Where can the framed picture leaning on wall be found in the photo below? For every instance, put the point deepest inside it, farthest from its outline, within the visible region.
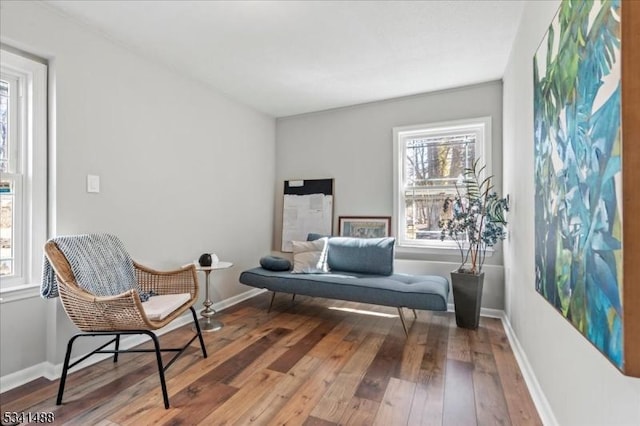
(364, 226)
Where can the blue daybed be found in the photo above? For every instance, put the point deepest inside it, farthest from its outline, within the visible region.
(360, 270)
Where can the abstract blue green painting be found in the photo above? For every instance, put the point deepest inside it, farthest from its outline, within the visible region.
(578, 171)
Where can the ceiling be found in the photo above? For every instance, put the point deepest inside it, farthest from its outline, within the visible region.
(291, 57)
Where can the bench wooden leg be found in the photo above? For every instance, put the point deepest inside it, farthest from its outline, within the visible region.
(415, 314)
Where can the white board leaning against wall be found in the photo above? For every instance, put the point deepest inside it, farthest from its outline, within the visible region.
(307, 208)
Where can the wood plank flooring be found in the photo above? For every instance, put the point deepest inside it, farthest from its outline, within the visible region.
(312, 362)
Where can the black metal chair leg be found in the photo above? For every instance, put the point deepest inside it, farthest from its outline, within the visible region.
(65, 369)
(116, 340)
(273, 296)
(117, 348)
(404, 324)
(195, 321)
(163, 382)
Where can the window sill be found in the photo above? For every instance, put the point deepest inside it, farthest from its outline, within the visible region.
(13, 294)
(445, 250)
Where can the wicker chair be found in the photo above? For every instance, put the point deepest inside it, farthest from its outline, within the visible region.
(122, 314)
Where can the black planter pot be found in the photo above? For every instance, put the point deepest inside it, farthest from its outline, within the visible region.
(467, 298)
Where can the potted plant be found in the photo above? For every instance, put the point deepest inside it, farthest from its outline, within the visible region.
(475, 219)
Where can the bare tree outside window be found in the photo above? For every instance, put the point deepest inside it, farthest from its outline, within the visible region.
(4, 126)
(6, 190)
(433, 166)
(430, 159)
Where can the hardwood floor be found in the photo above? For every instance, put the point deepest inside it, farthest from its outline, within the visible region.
(314, 362)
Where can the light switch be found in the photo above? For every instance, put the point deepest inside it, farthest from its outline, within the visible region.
(93, 183)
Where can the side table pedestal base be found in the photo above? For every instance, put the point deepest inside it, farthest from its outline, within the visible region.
(208, 324)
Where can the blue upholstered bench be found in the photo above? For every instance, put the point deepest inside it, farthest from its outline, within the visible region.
(360, 270)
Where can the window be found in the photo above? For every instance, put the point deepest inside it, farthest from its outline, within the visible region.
(23, 171)
(429, 160)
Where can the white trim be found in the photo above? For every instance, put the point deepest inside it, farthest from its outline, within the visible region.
(537, 395)
(484, 312)
(539, 399)
(52, 371)
(13, 294)
(23, 376)
(445, 250)
(32, 77)
(484, 151)
(234, 300)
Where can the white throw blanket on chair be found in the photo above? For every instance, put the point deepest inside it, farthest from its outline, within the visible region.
(99, 262)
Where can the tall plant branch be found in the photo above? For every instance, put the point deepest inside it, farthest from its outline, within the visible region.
(475, 216)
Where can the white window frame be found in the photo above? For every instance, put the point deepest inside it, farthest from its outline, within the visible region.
(17, 110)
(480, 125)
(30, 173)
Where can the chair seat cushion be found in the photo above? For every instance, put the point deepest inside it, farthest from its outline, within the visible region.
(158, 308)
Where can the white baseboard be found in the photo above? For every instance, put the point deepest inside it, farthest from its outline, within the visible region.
(19, 378)
(484, 312)
(234, 300)
(52, 371)
(539, 399)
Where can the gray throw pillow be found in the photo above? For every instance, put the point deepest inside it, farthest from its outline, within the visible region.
(275, 263)
(361, 255)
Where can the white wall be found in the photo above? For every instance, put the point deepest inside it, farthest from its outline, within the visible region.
(582, 387)
(183, 169)
(354, 146)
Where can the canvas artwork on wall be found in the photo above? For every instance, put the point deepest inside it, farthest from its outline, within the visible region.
(579, 223)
